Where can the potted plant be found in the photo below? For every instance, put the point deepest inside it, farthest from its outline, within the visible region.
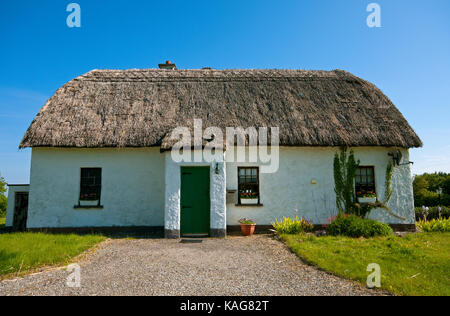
(247, 226)
(367, 197)
(248, 197)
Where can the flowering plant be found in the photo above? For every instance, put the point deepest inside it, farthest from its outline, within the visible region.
(247, 221)
(249, 195)
(368, 194)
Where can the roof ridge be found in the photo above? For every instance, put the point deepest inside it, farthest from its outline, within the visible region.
(253, 70)
(117, 75)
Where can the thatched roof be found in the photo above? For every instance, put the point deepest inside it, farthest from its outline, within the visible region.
(140, 108)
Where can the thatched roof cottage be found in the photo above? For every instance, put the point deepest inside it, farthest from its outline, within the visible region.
(102, 149)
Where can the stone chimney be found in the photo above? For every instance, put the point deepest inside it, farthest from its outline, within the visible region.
(168, 65)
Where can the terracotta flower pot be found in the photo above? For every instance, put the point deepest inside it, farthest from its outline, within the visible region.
(248, 229)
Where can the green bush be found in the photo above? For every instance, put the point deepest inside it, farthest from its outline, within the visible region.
(3, 199)
(435, 225)
(433, 213)
(425, 187)
(354, 226)
(428, 198)
(3, 202)
(292, 226)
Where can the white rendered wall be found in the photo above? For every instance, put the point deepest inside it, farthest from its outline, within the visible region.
(290, 188)
(11, 202)
(132, 187)
(173, 194)
(141, 187)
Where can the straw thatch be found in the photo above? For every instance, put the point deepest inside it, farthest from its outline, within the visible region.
(140, 108)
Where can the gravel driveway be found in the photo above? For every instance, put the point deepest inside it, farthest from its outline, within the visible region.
(259, 265)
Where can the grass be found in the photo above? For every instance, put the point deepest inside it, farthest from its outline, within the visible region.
(417, 264)
(24, 252)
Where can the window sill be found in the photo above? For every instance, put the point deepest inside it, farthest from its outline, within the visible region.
(80, 207)
(249, 205)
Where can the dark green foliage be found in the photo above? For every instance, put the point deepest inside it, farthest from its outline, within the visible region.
(3, 202)
(2, 185)
(425, 187)
(433, 213)
(435, 180)
(344, 175)
(446, 186)
(354, 226)
(3, 199)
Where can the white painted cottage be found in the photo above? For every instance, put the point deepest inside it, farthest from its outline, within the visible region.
(102, 158)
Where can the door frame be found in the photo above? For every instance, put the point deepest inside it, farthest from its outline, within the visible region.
(206, 167)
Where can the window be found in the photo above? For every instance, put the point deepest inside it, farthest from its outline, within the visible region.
(364, 181)
(91, 184)
(248, 188)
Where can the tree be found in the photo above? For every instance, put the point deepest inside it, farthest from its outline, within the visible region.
(420, 184)
(436, 180)
(2, 185)
(425, 187)
(446, 186)
(3, 202)
(3, 199)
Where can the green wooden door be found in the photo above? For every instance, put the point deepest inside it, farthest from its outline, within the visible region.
(195, 201)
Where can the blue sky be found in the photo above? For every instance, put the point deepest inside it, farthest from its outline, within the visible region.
(408, 58)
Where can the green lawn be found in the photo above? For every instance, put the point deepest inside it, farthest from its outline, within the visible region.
(21, 252)
(418, 264)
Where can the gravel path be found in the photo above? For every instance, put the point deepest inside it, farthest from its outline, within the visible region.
(259, 265)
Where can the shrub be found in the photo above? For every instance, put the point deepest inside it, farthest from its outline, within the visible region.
(435, 225)
(292, 226)
(354, 226)
(3, 202)
(433, 213)
(3, 199)
(425, 186)
(429, 198)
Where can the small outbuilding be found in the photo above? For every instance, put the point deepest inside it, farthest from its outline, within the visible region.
(17, 208)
